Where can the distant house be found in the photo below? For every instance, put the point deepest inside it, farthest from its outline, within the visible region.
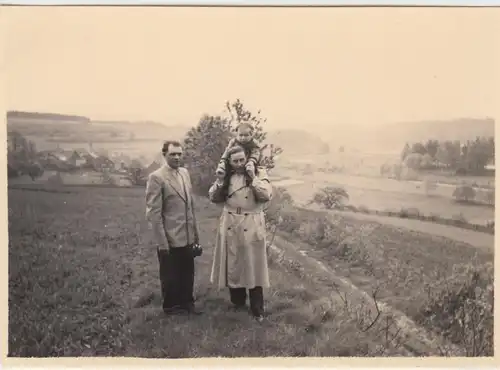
(121, 162)
(54, 160)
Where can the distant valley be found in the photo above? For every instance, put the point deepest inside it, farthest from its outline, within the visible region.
(49, 130)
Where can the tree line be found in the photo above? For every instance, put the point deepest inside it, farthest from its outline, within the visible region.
(471, 156)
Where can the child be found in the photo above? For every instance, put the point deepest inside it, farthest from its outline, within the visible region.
(244, 138)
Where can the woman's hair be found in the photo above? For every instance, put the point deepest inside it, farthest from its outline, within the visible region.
(234, 150)
(225, 186)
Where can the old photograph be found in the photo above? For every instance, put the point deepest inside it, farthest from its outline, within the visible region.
(203, 182)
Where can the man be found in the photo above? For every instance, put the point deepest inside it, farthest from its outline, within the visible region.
(240, 259)
(170, 211)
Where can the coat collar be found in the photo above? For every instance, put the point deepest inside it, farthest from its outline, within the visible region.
(175, 178)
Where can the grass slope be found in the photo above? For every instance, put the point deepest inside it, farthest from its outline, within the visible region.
(83, 281)
(433, 280)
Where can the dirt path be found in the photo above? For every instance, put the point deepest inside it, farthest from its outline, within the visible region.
(474, 238)
(417, 340)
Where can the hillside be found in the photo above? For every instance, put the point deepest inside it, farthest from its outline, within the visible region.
(97, 272)
(297, 142)
(49, 130)
(393, 136)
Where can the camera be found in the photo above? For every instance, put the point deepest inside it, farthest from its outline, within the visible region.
(197, 250)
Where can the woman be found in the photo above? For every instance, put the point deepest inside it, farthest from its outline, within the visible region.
(240, 259)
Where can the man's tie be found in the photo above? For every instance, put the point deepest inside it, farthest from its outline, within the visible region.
(181, 180)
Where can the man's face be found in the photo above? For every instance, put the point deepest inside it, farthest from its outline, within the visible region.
(238, 161)
(174, 156)
(244, 134)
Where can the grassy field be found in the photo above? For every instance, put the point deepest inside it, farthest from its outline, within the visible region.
(83, 281)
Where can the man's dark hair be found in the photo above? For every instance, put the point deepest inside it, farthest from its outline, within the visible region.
(224, 193)
(166, 145)
(235, 149)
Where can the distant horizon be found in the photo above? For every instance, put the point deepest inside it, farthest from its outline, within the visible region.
(118, 120)
(316, 68)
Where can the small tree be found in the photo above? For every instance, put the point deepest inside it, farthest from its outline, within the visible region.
(204, 145)
(414, 161)
(464, 193)
(34, 170)
(331, 197)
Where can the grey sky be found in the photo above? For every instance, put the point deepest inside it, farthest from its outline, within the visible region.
(315, 67)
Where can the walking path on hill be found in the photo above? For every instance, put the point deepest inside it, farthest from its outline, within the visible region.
(418, 341)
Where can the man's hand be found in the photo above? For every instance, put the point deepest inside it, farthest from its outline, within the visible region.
(220, 178)
(250, 168)
(165, 249)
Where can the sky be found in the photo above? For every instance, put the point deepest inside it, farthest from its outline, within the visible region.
(318, 68)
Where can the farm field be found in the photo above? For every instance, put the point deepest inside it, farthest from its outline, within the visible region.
(386, 194)
(96, 291)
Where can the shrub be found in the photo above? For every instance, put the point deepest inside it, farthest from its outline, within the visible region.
(464, 193)
(459, 219)
(461, 307)
(331, 197)
(409, 212)
(281, 199)
(434, 217)
(290, 220)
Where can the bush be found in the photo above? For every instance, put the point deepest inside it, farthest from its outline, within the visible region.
(273, 213)
(464, 193)
(290, 220)
(331, 197)
(459, 219)
(409, 212)
(461, 307)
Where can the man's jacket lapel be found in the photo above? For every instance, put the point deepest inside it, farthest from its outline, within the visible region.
(172, 179)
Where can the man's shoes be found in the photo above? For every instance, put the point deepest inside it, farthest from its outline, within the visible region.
(259, 318)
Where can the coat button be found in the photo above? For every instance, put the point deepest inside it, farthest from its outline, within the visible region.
(229, 228)
(244, 229)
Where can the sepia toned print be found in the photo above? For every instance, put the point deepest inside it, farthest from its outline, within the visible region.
(250, 182)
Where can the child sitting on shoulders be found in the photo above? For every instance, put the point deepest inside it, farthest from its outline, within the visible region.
(244, 138)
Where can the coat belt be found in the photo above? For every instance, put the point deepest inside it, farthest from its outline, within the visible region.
(240, 211)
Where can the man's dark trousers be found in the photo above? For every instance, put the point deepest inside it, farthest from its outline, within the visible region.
(177, 277)
(239, 297)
